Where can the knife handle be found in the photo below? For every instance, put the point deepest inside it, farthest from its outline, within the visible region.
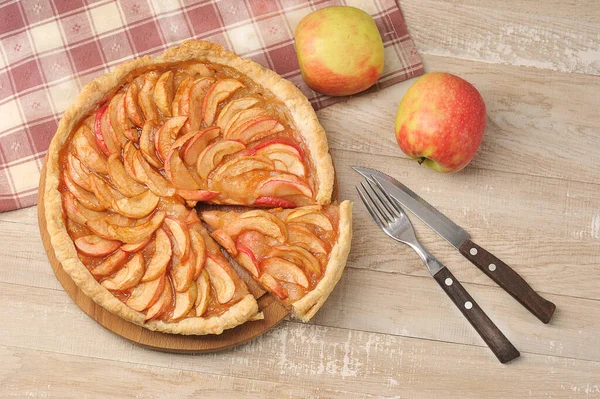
(509, 280)
(485, 327)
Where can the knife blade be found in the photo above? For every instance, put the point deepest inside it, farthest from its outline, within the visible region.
(445, 227)
(493, 267)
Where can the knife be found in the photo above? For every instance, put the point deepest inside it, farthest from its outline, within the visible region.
(493, 267)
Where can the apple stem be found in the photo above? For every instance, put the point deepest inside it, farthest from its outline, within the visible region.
(421, 160)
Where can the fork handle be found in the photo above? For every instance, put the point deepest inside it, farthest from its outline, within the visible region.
(509, 280)
(485, 327)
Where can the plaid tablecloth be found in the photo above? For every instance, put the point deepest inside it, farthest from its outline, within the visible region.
(50, 48)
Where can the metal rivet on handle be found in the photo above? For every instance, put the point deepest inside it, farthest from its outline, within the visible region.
(448, 281)
(468, 305)
(473, 251)
(492, 267)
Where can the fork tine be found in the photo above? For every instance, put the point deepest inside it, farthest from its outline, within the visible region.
(385, 216)
(374, 206)
(384, 199)
(368, 205)
(378, 204)
(391, 200)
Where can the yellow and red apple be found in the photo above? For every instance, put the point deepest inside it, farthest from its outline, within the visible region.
(440, 122)
(340, 51)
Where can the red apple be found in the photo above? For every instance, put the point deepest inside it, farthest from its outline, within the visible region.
(440, 121)
(340, 51)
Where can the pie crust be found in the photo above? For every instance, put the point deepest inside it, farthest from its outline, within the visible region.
(305, 308)
(307, 126)
(324, 272)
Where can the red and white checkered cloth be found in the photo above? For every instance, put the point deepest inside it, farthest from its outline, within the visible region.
(50, 48)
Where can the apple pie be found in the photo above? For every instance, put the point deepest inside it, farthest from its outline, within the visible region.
(141, 146)
(293, 253)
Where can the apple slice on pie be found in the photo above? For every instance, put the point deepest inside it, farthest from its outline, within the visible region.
(141, 146)
(295, 254)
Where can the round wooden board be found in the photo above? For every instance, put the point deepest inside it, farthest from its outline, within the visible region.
(273, 311)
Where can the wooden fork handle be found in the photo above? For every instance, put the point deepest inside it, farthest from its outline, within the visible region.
(509, 280)
(493, 337)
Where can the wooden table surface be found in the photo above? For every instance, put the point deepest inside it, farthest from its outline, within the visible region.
(531, 196)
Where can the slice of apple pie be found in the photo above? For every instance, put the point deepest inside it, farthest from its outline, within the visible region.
(296, 254)
(141, 146)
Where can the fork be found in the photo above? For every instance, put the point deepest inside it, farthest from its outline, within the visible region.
(390, 217)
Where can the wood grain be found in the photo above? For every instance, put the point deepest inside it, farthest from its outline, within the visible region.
(503, 35)
(415, 307)
(306, 355)
(509, 280)
(578, 10)
(530, 197)
(540, 122)
(495, 339)
(115, 379)
(539, 226)
(24, 216)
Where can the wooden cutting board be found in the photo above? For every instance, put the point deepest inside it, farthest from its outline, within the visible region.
(273, 311)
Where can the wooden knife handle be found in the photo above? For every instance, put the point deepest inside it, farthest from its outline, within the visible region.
(508, 279)
(493, 337)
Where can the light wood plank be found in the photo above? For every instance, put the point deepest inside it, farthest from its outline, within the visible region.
(34, 373)
(540, 122)
(504, 35)
(23, 216)
(306, 355)
(578, 10)
(23, 256)
(417, 307)
(544, 228)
